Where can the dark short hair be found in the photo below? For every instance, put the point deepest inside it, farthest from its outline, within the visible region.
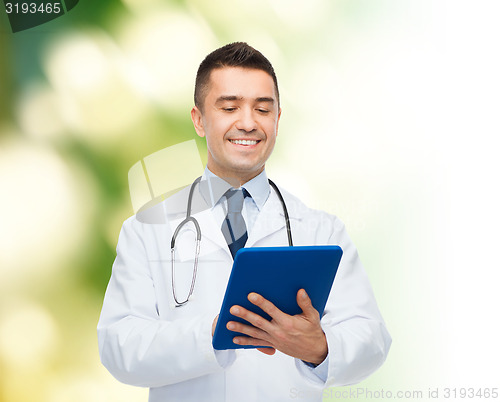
(237, 54)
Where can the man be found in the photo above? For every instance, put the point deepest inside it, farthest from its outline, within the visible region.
(145, 340)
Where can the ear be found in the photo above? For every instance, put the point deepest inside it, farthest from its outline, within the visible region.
(197, 119)
(278, 121)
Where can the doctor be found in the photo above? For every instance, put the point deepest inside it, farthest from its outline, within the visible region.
(145, 340)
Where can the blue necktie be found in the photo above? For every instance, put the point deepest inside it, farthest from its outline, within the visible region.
(233, 227)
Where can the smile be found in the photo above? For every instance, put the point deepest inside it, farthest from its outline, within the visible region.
(245, 142)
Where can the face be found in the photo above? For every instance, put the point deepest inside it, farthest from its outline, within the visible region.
(239, 120)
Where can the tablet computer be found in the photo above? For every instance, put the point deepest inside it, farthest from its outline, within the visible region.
(276, 273)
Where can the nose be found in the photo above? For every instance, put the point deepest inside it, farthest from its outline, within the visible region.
(246, 121)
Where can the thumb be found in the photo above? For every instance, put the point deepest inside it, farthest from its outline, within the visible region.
(214, 324)
(305, 304)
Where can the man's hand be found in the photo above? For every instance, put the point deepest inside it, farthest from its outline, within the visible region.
(298, 336)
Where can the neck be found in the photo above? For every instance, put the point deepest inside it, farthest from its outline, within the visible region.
(236, 179)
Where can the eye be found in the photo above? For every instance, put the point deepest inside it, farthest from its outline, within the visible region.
(229, 109)
(263, 111)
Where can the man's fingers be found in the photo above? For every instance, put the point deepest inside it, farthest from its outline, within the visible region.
(254, 319)
(246, 329)
(305, 304)
(267, 351)
(249, 341)
(266, 306)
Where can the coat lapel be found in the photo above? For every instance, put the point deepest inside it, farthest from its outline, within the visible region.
(270, 220)
(212, 238)
(211, 231)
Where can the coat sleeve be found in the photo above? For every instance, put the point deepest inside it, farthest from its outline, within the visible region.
(358, 340)
(135, 345)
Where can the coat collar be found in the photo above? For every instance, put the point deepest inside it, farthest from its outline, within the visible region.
(270, 220)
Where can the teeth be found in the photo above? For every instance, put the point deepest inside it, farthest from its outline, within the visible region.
(244, 142)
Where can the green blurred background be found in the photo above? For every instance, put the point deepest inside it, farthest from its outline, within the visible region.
(390, 121)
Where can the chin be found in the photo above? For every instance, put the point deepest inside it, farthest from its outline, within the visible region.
(247, 168)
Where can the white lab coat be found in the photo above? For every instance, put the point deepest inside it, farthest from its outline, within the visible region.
(145, 341)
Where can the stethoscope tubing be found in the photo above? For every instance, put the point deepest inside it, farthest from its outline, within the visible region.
(192, 219)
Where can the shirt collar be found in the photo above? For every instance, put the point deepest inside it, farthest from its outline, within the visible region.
(212, 188)
(259, 189)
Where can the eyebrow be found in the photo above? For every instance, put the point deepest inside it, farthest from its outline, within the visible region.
(225, 98)
(265, 99)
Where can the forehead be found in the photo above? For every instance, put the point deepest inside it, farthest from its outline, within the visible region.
(241, 82)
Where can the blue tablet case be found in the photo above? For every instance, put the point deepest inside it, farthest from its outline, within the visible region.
(277, 273)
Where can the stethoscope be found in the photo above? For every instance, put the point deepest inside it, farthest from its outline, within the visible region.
(192, 219)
